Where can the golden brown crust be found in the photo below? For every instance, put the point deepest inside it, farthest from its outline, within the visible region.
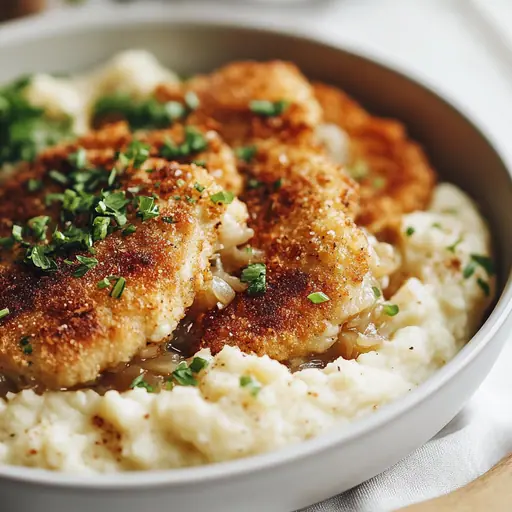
(299, 214)
(398, 177)
(76, 330)
(225, 96)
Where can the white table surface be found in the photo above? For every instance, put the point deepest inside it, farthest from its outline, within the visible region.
(463, 48)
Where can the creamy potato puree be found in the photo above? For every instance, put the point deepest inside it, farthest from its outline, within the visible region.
(220, 420)
(244, 404)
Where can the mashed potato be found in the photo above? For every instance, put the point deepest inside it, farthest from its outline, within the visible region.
(245, 404)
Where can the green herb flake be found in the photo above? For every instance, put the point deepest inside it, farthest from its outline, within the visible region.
(199, 163)
(199, 187)
(17, 233)
(184, 375)
(255, 276)
(278, 184)
(129, 230)
(192, 100)
(190, 200)
(469, 269)
(484, 286)
(437, 225)
(139, 382)
(39, 226)
(453, 247)
(379, 183)
(26, 346)
(253, 183)
(168, 220)
(391, 309)
(4, 312)
(147, 208)
(410, 231)
(251, 384)
(78, 159)
(318, 297)
(58, 177)
(137, 152)
(485, 262)
(100, 227)
(198, 364)
(180, 183)
(118, 288)
(36, 256)
(86, 264)
(376, 292)
(34, 185)
(269, 108)
(246, 153)
(224, 197)
(358, 170)
(104, 283)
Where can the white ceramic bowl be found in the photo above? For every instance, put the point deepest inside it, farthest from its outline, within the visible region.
(314, 470)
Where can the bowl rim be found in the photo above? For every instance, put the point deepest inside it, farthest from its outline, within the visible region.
(59, 23)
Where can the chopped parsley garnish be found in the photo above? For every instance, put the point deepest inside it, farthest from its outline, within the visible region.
(199, 163)
(255, 275)
(86, 264)
(376, 292)
(198, 364)
(379, 183)
(469, 269)
(253, 183)
(145, 114)
(391, 309)
(199, 187)
(25, 129)
(194, 142)
(25, 345)
(268, 108)
(118, 288)
(410, 231)
(485, 262)
(147, 208)
(139, 382)
(169, 220)
(34, 185)
(484, 285)
(224, 196)
(58, 177)
(36, 255)
(318, 297)
(4, 312)
(437, 225)
(100, 227)
(278, 184)
(78, 159)
(358, 170)
(252, 385)
(452, 247)
(104, 283)
(246, 153)
(39, 226)
(137, 152)
(184, 375)
(191, 100)
(129, 230)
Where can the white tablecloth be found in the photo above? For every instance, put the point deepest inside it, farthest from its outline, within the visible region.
(461, 48)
